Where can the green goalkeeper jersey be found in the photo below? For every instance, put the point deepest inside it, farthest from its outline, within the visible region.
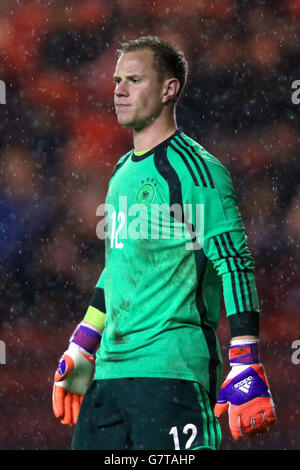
(174, 241)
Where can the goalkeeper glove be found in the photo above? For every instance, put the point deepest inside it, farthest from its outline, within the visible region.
(245, 392)
(74, 373)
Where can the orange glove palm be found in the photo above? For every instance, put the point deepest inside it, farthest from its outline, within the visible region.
(246, 393)
(74, 373)
(71, 381)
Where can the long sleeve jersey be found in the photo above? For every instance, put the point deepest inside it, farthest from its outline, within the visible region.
(174, 242)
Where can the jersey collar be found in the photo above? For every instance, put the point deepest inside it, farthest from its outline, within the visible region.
(157, 148)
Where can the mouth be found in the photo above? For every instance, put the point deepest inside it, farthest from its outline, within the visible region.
(121, 105)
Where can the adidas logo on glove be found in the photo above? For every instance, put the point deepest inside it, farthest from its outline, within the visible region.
(244, 385)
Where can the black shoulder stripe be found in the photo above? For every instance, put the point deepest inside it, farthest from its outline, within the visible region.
(194, 160)
(202, 160)
(186, 163)
(166, 170)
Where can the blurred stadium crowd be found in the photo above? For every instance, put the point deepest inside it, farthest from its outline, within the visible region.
(59, 142)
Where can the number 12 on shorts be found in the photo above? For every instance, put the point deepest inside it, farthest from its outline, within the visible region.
(188, 429)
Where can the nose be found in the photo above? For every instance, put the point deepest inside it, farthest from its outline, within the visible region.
(121, 89)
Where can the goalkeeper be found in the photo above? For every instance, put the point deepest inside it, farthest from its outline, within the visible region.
(143, 370)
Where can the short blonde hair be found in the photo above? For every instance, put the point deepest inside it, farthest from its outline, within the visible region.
(169, 61)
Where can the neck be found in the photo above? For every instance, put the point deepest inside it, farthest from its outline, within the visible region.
(153, 134)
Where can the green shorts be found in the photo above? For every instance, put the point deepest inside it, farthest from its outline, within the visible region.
(146, 414)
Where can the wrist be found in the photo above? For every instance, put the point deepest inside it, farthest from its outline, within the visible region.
(86, 338)
(244, 351)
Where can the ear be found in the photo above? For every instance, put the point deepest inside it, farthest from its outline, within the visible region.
(170, 90)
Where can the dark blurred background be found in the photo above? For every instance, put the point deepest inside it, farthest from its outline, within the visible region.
(59, 142)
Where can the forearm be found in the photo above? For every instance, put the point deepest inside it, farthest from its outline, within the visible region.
(96, 312)
(95, 318)
(244, 337)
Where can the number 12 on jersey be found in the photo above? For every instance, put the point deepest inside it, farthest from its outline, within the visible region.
(186, 429)
(115, 230)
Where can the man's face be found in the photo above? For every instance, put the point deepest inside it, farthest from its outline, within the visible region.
(138, 93)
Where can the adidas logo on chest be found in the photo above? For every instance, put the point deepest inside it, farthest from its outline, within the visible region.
(245, 384)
